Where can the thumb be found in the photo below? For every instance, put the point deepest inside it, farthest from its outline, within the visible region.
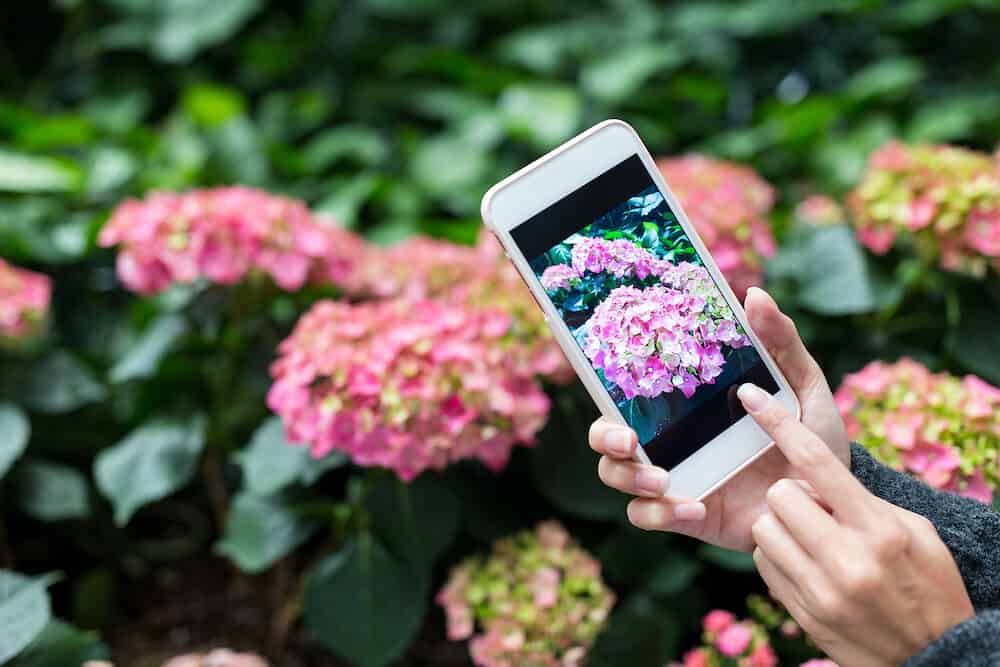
(779, 336)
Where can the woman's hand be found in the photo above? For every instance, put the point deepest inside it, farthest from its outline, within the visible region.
(727, 515)
(871, 583)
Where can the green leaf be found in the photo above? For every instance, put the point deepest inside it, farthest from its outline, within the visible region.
(545, 115)
(55, 385)
(212, 105)
(621, 74)
(565, 469)
(24, 612)
(239, 152)
(674, 576)
(363, 603)
(347, 197)
(61, 645)
(108, 169)
(260, 530)
(727, 559)
(830, 270)
(415, 520)
(143, 358)
(29, 173)
(15, 430)
(447, 163)
(356, 143)
(639, 634)
(150, 463)
(974, 343)
(51, 491)
(270, 463)
(886, 78)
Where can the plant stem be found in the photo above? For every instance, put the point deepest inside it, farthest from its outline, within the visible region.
(6, 552)
(215, 484)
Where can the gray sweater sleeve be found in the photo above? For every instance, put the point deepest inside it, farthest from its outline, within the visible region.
(971, 530)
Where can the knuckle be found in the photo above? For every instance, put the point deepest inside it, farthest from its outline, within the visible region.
(647, 515)
(831, 607)
(891, 542)
(860, 581)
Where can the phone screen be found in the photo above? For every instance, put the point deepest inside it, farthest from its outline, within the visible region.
(633, 290)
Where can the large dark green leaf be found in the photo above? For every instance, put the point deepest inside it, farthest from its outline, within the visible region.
(51, 491)
(545, 115)
(271, 463)
(416, 521)
(56, 384)
(24, 612)
(829, 269)
(61, 645)
(976, 341)
(363, 603)
(262, 529)
(15, 429)
(565, 468)
(143, 358)
(150, 463)
(640, 634)
(622, 72)
(727, 559)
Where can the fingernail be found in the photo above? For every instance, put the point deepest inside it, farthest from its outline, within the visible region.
(617, 441)
(689, 512)
(651, 480)
(753, 397)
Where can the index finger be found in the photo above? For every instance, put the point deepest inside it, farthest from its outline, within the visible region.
(808, 454)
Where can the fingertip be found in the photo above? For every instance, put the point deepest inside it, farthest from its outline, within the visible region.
(752, 397)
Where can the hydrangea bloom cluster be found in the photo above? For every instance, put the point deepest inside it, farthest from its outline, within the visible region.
(479, 277)
(935, 426)
(820, 211)
(537, 601)
(406, 384)
(944, 200)
(732, 642)
(728, 204)
(222, 234)
(654, 340)
(24, 301)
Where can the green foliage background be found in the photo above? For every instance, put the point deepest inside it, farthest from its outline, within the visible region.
(136, 436)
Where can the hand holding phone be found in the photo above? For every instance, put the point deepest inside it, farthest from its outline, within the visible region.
(726, 517)
(637, 304)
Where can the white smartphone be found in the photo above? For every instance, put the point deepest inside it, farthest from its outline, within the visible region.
(637, 304)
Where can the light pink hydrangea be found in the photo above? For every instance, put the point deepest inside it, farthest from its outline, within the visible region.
(727, 640)
(406, 384)
(940, 428)
(223, 234)
(654, 340)
(478, 276)
(537, 600)
(24, 302)
(943, 201)
(729, 205)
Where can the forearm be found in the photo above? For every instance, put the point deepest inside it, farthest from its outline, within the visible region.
(973, 643)
(970, 529)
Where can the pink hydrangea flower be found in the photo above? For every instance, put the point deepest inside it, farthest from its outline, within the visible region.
(222, 235)
(696, 658)
(559, 276)
(717, 620)
(819, 662)
(406, 385)
(655, 340)
(942, 202)
(480, 277)
(501, 595)
(940, 428)
(24, 302)
(729, 205)
(734, 640)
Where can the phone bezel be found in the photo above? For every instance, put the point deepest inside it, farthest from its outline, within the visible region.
(559, 173)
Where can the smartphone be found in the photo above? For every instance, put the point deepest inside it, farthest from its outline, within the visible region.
(637, 304)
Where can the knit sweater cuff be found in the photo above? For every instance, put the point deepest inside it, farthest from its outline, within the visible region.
(971, 643)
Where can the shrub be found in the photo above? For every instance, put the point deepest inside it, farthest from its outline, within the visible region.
(935, 426)
(942, 202)
(538, 600)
